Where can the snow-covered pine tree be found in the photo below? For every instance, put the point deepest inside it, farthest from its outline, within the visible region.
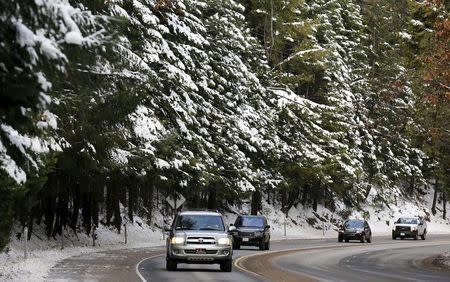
(36, 37)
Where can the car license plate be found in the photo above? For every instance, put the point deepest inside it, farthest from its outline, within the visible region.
(201, 251)
(245, 239)
(402, 234)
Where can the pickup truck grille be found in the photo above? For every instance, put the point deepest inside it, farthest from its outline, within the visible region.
(207, 252)
(201, 240)
(246, 234)
(402, 228)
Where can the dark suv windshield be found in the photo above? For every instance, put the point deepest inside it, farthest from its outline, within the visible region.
(354, 224)
(250, 222)
(407, 220)
(199, 222)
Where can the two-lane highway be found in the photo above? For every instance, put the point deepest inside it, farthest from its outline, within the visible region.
(325, 260)
(153, 268)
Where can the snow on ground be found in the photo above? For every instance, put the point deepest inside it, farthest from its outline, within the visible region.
(301, 223)
(304, 223)
(43, 254)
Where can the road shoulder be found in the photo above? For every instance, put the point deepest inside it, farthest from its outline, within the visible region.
(437, 263)
(116, 265)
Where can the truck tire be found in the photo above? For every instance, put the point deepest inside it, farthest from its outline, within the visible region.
(171, 264)
(226, 266)
(262, 246)
(423, 236)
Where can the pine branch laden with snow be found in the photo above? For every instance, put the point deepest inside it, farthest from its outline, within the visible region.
(141, 98)
(37, 34)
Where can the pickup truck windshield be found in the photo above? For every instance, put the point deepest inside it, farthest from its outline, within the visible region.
(199, 222)
(407, 220)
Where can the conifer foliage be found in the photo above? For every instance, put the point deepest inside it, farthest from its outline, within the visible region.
(107, 107)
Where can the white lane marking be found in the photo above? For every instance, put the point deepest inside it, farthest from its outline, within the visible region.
(142, 260)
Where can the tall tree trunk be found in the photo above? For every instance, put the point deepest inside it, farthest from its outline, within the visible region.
(433, 207)
(256, 202)
(272, 39)
(212, 197)
(305, 193)
(444, 204)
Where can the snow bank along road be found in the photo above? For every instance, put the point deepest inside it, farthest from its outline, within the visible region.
(293, 260)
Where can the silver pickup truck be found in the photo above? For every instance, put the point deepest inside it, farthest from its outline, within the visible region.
(409, 227)
(199, 237)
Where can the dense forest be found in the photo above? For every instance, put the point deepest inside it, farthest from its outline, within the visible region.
(112, 105)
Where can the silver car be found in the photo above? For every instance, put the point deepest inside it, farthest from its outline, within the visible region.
(199, 237)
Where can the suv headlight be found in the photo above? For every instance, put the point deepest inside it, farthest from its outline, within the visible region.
(224, 241)
(358, 231)
(177, 240)
(258, 234)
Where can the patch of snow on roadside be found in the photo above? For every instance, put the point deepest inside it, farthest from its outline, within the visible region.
(44, 253)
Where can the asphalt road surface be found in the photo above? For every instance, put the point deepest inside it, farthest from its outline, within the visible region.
(316, 260)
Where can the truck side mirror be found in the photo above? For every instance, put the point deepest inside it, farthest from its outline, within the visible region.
(267, 226)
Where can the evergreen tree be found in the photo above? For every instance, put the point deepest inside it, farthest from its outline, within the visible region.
(429, 26)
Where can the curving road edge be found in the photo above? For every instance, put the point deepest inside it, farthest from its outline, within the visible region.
(264, 266)
(141, 261)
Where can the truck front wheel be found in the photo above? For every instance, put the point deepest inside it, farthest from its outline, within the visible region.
(171, 264)
(226, 266)
(423, 235)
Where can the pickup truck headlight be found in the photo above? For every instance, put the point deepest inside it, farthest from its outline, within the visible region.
(177, 240)
(258, 234)
(414, 228)
(358, 231)
(224, 241)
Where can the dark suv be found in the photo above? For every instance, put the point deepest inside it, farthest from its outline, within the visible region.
(199, 237)
(355, 229)
(251, 230)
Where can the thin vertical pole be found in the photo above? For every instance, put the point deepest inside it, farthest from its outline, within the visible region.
(62, 238)
(93, 236)
(25, 231)
(126, 235)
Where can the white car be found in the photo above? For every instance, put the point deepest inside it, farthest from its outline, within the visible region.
(412, 227)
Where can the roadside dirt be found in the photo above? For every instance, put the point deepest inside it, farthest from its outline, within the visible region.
(117, 265)
(438, 263)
